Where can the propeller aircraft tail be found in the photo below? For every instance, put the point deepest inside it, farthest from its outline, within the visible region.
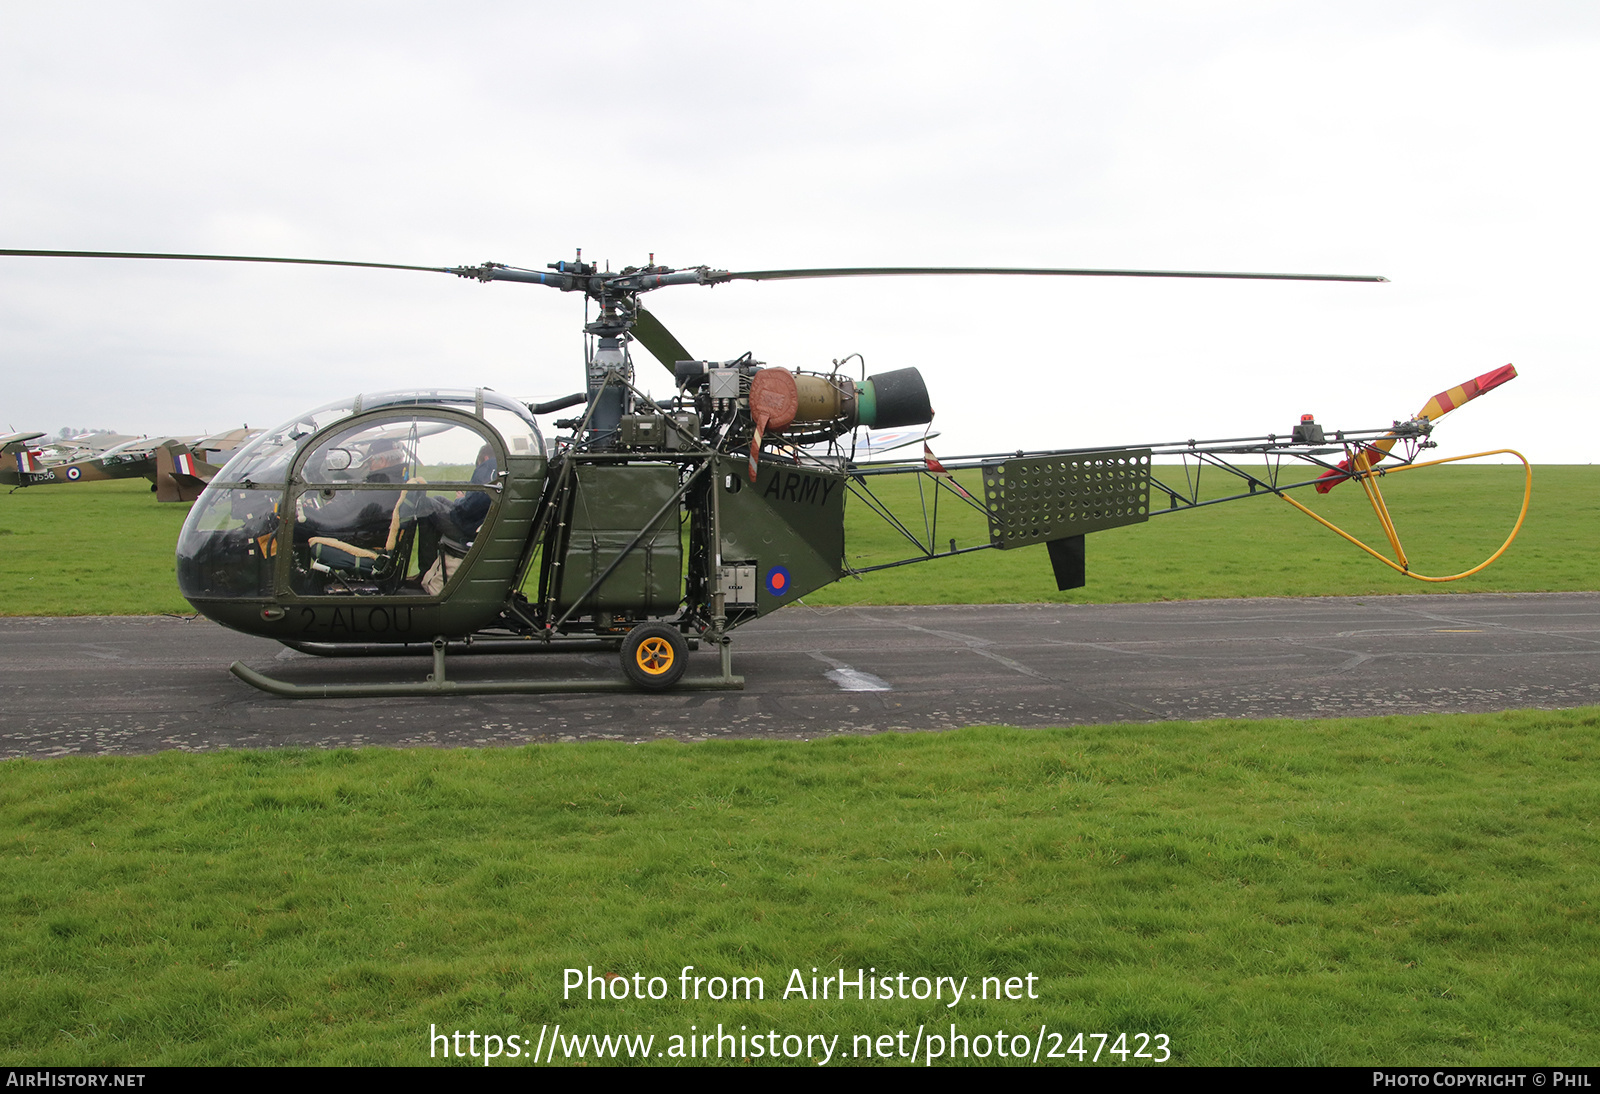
(180, 474)
(19, 458)
(176, 479)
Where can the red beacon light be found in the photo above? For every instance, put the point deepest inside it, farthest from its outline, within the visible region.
(1308, 431)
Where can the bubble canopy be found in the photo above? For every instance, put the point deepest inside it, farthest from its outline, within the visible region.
(265, 461)
(355, 498)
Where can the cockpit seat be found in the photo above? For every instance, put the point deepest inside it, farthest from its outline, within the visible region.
(335, 556)
(386, 567)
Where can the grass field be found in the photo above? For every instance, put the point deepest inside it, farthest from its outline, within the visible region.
(1417, 891)
(100, 548)
(106, 548)
(1420, 891)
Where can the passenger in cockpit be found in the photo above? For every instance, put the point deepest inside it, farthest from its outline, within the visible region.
(469, 511)
(447, 528)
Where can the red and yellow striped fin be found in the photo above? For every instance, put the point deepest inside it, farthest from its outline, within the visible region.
(1446, 401)
(1435, 408)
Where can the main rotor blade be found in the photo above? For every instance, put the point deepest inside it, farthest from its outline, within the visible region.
(222, 258)
(661, 343)
(702, 276)
(896, 271)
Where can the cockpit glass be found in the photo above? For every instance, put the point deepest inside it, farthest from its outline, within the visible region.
(229, 544)
(385, 505)
(378, 503)
(521, 435)
(267, 458)
(398, 451)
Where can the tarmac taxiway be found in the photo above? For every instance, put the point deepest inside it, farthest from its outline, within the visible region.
(129, 685)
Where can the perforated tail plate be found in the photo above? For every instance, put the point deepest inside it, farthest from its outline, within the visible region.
(1036, 499)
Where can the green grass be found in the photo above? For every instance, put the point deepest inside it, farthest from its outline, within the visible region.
(1402, 890)
(98, 548)
(1420, 891)
(106, 548)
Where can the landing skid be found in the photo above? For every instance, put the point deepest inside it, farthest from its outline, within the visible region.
(438, 683)
(467, 646)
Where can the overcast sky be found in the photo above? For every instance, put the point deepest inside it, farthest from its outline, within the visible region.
(1448, 146)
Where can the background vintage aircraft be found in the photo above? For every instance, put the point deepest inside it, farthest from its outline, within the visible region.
(178, 467)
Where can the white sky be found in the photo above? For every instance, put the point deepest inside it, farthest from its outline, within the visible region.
(1448, 146)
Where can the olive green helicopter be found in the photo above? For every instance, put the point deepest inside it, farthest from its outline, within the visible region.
(450, 522)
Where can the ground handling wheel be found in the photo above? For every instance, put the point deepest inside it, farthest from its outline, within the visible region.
(654, 656)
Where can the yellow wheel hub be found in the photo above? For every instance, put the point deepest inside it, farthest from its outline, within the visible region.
(654, 656)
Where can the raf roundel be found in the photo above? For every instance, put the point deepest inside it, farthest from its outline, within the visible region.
(74, 473)
(778, 581)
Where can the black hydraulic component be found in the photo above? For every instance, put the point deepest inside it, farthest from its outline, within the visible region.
(690, 373)
(608, 400)
(553, 405)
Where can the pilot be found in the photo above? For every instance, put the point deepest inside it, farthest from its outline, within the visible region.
(469, 511)
(449, 527)
(385, 458)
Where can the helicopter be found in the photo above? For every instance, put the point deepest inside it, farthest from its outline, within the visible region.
(447, 522)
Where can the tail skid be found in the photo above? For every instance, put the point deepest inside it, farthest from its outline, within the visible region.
(1368, 478)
